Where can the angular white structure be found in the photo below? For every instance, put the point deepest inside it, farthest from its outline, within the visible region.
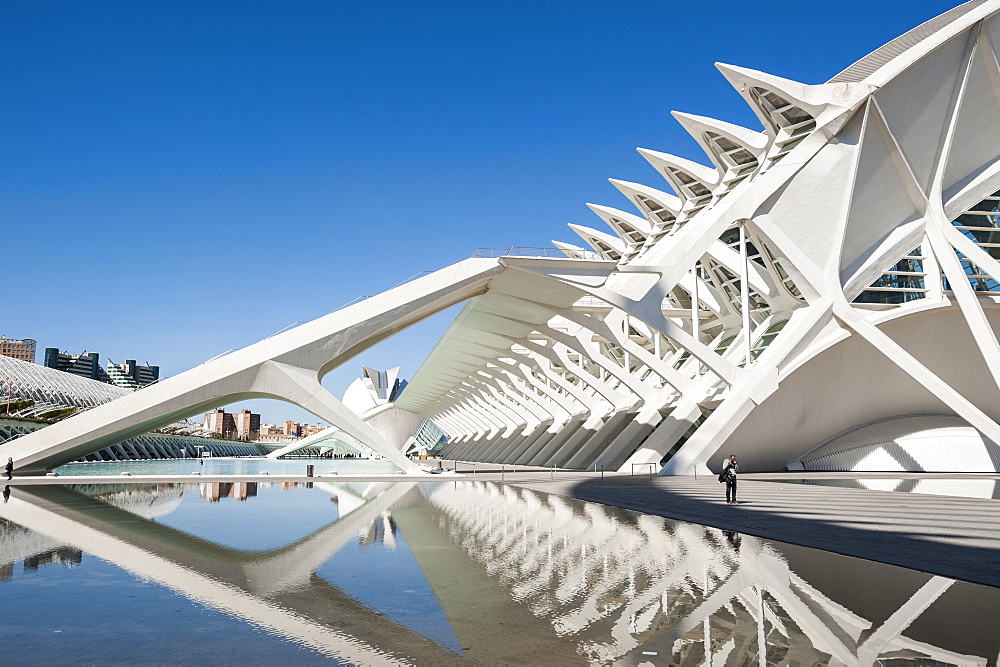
(848, 249)
(835, 269)
(371, 397)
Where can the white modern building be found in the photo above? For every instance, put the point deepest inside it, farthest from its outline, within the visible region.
(821, 293)
(372, 397)
(848, 249)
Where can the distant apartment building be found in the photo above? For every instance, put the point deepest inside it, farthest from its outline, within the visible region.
(86, 365)
(271, 433)
(131, 375)
(290, 430)
(19, 349)
(247, 425)
(215, 422)
(296, 430)
(243, 425)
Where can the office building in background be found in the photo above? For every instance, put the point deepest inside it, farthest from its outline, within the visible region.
(18, 349)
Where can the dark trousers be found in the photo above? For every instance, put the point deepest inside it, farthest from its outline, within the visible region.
(731, 490)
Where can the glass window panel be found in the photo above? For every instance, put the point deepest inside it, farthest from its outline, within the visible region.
(889, 298)
(990, 205)
(976, 220)
(743, 156)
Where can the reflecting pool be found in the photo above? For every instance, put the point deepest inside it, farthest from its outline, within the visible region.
(442, 573)
(231, 466)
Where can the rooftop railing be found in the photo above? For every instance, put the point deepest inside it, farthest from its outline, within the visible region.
(523, 251)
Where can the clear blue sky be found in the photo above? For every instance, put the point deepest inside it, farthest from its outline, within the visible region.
(180, 178)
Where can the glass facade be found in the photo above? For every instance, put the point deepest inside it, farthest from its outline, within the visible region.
(979, 223)
(902, 282)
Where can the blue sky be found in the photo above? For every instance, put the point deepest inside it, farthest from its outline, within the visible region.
(181, 178)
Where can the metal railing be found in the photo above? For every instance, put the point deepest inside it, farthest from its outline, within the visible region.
(509, 470)
(524, 251)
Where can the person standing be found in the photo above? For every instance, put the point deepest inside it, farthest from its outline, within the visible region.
(729, 468)
(10, 468)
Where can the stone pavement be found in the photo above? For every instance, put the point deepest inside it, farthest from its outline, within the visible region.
(946, 535)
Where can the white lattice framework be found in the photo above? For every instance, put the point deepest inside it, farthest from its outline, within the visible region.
(835, 268)
(22, 380)
(848, 249)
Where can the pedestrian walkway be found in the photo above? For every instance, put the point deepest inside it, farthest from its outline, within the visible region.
(950, 536)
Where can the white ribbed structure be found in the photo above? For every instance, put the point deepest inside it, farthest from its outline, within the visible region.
(851, 246)
(837, 267)
(23, 380)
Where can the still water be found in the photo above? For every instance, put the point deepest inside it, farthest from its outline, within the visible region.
(231, 466)
(444, 573)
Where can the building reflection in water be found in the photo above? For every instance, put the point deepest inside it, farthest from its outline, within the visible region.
(214, 491)
(624, 585)
(521, 574)
(381, 531)
(32, 551)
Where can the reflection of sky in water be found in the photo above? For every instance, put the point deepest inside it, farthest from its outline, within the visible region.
(98, 613)
(434, 573)
(213, 466)
(273, 518)
(390, 580)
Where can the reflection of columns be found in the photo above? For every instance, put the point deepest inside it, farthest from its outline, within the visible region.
(291, 568)
(213, 575)
(579, 565)
(761, 638)
(881, 639)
